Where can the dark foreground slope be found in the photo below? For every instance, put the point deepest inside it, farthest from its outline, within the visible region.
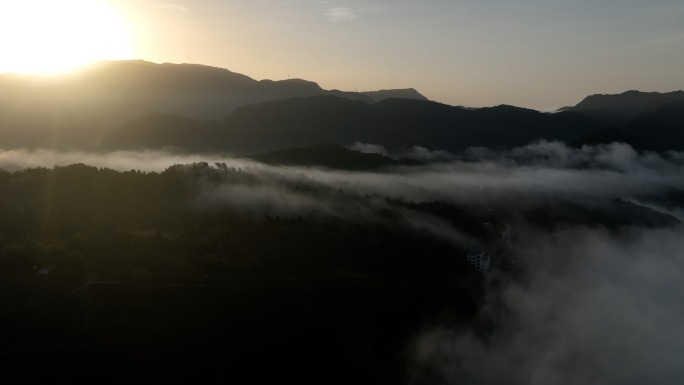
(210, 273)
(135, 276)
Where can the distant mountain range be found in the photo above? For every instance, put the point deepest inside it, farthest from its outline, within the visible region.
(623, 107)
(645, 120)
(408, 93)
(137, 104)
(79, 109)
(394, 123)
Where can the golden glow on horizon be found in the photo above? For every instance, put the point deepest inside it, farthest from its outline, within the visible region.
(47, 36)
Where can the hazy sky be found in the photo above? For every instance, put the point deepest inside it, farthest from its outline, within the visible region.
(533, 53)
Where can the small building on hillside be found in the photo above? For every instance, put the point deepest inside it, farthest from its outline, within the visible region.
(480, 260)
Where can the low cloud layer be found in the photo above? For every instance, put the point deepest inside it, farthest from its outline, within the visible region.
(545, 169)
(149, 161)
(538, 170)
(596, 309)
(594, 306)
(369, 148)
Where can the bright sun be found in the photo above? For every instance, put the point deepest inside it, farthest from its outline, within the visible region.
(56, 36)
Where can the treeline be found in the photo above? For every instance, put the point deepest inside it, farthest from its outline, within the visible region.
(213, 272)
(145, 274)
(146, 226)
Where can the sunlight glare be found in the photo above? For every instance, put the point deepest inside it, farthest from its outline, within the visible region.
(39, 36)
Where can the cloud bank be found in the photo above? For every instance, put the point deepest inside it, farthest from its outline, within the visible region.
(522, 175)
(593, 305)
(595, 309)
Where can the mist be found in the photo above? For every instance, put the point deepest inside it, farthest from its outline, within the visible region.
(523, 175)
(592, 305)
(526, 173)
(596, 308)
(146, 161)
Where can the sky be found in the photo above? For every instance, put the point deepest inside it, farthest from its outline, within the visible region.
(539, 54)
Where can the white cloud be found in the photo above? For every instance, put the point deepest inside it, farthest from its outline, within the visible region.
(341, 14)
(368, 148)
(592, 303)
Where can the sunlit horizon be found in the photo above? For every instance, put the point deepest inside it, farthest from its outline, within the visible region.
(44, 36)
(541, 56)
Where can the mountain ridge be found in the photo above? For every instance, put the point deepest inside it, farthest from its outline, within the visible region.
(394, 123)
(214, 109)
(79, 109)
(619, 108)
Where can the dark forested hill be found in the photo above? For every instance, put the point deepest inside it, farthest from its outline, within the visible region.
(662, 128)
(620, 108)
(330, 156)
(380, 95)
(393, 123)
(659, 127)
(102, 269)
(205, 272)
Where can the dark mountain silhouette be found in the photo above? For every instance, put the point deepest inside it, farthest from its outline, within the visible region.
(620, 108)
(331, 156)
(657, 129)
(201, 108)
(662, 128)
(612, 135)
(408, 93)
(394, 123)
(166, 130)
(79, 109)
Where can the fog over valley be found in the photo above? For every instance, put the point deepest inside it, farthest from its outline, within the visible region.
(179, 222)
(549, 169)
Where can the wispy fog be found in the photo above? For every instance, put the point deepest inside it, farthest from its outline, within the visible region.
(368, 148)
(481, 176)
(596, 309)
(526, 173)
(13, 160)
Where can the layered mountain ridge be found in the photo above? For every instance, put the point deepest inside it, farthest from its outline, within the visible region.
(80, 109)
(116, 105)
